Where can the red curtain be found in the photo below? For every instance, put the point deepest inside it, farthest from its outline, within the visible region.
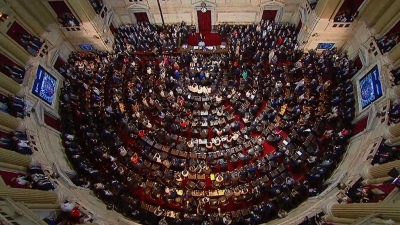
(51, 121)
(299, 25)
(357, 63)
(141, 17)
(112, 28)
(16, 31)
(360, 125)
(60, 8)
(204, 20)
(269, 15)
(395, 30)
(59, 63)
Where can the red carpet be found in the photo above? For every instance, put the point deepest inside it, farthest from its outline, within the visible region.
(8, 176)
(360, 125)
(51, 121)
(211, 39)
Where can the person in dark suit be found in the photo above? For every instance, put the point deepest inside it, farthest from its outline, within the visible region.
(201, 37)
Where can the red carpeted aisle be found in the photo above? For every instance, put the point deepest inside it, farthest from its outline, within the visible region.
(211, 39)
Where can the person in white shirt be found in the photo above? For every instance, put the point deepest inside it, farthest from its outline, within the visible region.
(122, 151)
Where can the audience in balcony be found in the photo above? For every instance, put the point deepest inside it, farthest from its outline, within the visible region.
(117, 101)
(15, 72)
(395, 76)
(68, 20)
(386, 154)
(97, 5)
(14, 106)
(315, 220)
(313, 3)
(364, 193)
(394, 112)
(346, 17)
(36, 179)
(387, 42)
(31, 43)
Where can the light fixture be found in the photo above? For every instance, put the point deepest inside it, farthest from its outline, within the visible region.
(203, 7)
(3, 16)
(315, 35)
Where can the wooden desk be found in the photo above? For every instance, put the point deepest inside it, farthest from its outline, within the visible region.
(283, 110)
(197, 193)
(218, 50)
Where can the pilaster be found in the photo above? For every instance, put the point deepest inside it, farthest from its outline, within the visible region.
(382, 170)
(9, 121)
(14, 158)
(358, 210)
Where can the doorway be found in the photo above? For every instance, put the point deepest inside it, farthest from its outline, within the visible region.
(269, 15)
(204, 21)
(141, 17)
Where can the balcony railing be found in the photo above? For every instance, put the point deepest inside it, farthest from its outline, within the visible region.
(342, 25)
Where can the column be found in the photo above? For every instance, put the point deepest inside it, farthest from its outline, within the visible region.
(14, 158)
(13, 167)
(9, 84)
(393, 131)
(382, 170)
(394, 92)
(332, 219)
(88, 9)
(396, 64)
(77, 7)
(11, 56)
(376, 180)
(42, 206)
(17, 51)
(9, 121)
(385, 18)
(358, 210)
(326, 8)
(392, 141)
(26, 17)
(372, 11)
(29, 195)
(42, 13)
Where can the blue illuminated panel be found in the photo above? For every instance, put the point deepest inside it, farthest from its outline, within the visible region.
(370, 87)
(45, 86)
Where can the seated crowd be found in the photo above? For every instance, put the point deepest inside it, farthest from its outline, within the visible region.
(14, 105)
(16, 141)
(236, 138)
(387, 42)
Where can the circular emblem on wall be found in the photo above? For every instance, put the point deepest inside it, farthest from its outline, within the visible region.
(86, 47)
(367, 91)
